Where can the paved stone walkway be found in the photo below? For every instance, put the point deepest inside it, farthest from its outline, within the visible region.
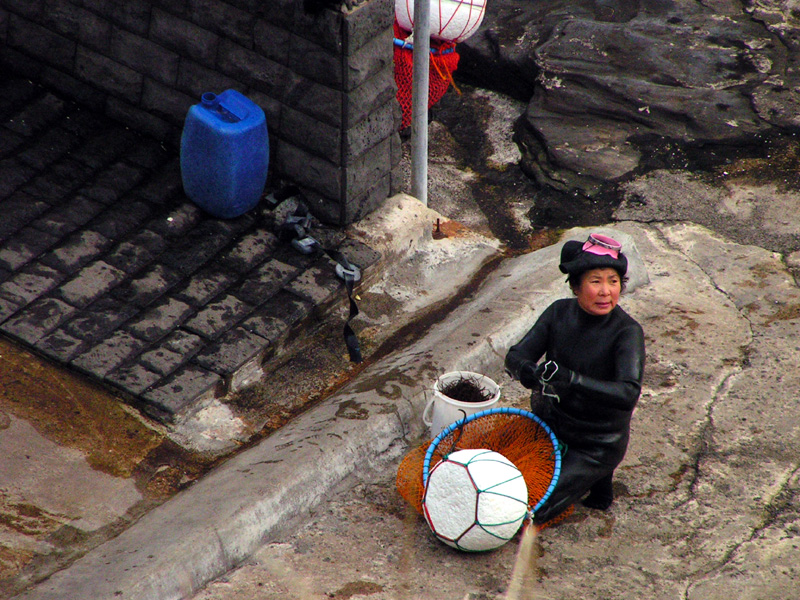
(106, 267)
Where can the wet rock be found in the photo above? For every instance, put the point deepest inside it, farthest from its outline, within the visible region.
(608, 79)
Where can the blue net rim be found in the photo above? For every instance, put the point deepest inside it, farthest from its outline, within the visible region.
(409, 46)
(493, 411)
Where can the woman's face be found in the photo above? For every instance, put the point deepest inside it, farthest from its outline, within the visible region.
(598, 292)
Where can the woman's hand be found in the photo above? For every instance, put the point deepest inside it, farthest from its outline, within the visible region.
(552, 372)
(527, 375)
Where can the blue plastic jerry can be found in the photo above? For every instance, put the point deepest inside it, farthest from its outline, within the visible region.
(225, 154)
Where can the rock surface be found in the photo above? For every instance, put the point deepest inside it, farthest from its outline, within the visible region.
(609, 82)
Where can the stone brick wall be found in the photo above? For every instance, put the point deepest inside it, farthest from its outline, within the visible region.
(325, 81)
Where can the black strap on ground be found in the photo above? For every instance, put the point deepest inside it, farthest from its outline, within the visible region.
(348, 272)
(295, 230)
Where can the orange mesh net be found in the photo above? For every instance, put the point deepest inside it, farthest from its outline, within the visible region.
(444, 61)
(513, 433)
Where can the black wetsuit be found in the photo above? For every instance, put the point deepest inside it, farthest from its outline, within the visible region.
(592, 418)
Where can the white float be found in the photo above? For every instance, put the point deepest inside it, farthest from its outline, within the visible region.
(451, 20)
(475, 500)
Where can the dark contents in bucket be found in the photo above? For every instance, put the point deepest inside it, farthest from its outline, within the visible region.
(466, 389)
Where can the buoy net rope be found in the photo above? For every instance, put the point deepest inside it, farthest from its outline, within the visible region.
(521, 436)
(444, 59)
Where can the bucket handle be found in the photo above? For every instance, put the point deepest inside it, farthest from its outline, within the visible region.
(426, 417)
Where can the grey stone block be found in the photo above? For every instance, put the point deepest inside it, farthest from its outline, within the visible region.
(144, 56)
(24, 246)
(71, 20)
(319, 64)
(163, 188)
(184, 343)
(19, 210)
(40, 42)
(272, 108)
(183, 37)
(271, 41)
(318, 284)
(262, 284)
(177, 7)
(177, 222)
(205, 285)
(325, 28)
(37, 320)
(118, 348)
(229, 21)
(133, 16)
(359, 253)
(57, 184)
(13, 174)
(85, 123)
(133, 379)
(161, 360)
(251, 68)
(38, 115)
(104, 146)
(370, 59)
(141, 120)
(137, 252)
(99, 320)
(369, 136)
(275, 319)
(250, 251)
(195, 79)
(114, 182)
(7, 309)
(32, 9)
(107, 74)
(20, 62)
(160, 319)
(190, 252)
(149, 153)
(370, 21)
(358, 207)
(308, 170)
(314, 99)
(371, 166)
(218, 317)
(371, 95)
(148, 286)
(233, 350)
(9, 142)
(121, 218)
(48, 148)
(165, 101)
(248, 5)
(76, 251)
(31, 282)
(61, 346)
(62, 220)
(313, 136)
(90, 283)
(86, 93)
(183, 389)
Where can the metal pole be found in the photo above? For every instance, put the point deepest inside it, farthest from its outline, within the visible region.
(419, 101)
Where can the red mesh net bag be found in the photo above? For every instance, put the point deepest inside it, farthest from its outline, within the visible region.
(444, 61)
(519, 435)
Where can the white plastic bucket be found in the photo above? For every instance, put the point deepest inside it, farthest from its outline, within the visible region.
(441, 410)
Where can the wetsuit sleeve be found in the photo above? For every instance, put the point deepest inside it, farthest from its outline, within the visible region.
(623, 391)
(523, 356)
